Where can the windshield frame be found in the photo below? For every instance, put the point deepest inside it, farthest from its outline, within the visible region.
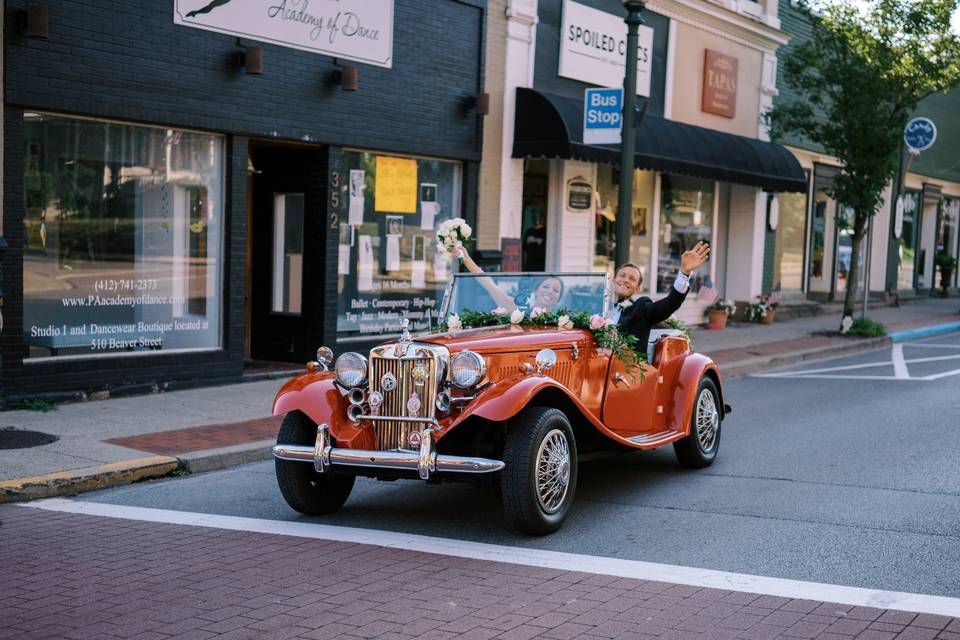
(607, 283)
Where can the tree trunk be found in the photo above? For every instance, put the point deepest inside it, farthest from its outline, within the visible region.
(850, 297)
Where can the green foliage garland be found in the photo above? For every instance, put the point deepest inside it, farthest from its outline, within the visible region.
(622, 346)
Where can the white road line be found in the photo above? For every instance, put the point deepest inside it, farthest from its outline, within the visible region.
(826, 376)
(945, 374)
(899, 366)
(928, 345)
(693, 576)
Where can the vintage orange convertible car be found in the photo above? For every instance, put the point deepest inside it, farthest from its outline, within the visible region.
(515, 404)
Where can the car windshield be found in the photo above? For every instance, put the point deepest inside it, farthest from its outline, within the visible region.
(549, 291)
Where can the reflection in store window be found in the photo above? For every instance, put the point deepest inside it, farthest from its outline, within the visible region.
(788, 263)
(123, 236)
(606, 207)
(686, 218)
(287, 252)
(906, 245)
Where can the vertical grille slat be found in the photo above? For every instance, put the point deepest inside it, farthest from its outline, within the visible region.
(393, 435)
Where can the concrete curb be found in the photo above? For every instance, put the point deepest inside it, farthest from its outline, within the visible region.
(924, 332)
(753, 365)
(130, 471)
(87, 479)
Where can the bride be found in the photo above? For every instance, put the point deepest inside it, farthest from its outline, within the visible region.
(544, 296)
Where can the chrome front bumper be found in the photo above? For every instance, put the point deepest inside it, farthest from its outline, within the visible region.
(426, 461)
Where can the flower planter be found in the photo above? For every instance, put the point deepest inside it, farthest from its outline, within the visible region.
(768, 316)
(716, 320)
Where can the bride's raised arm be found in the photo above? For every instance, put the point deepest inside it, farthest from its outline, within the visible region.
(498, 295)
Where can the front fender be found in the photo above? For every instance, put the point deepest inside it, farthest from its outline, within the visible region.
(320, 399)
(695, 366)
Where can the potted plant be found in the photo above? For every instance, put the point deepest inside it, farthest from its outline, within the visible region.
(762, 310)
(947, 264)
(718, 312)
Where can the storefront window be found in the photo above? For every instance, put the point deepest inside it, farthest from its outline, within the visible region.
(606, 207)
(947, 237)
(788, 262)
(388, 265)
(686, 218)
(906, 250)
(123, 238)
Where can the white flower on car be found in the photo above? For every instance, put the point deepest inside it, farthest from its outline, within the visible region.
(453, 322)
(564, 322)
(516, 317)
(536, 312)
(499, 311)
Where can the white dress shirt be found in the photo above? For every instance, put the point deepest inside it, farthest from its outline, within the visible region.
(681, 284)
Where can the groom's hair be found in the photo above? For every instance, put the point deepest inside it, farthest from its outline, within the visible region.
(630, 265)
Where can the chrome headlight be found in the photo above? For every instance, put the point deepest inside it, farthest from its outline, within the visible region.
(351, 369)
(467, 369)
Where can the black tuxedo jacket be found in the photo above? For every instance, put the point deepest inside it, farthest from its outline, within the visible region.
(644, 313)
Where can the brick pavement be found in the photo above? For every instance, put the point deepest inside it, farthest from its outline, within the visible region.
(74, 577)
(178, 441)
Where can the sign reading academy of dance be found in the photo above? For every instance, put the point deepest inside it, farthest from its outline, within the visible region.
(719, 84)
(593, 48)
(360, 30)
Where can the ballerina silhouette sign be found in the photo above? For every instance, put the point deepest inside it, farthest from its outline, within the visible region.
(360, 30)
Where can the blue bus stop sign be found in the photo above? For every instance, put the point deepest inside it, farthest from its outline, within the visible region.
(920, 134)
(602, 116)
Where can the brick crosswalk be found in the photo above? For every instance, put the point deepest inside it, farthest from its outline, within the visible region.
(70, 576)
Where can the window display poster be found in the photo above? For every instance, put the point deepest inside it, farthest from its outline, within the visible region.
(365, 267)
(394, 272)
(356, 196)
(418, 266)
(396, 185)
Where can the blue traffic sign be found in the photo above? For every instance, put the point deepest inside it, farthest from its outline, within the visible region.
(920, 134)
(602, 116)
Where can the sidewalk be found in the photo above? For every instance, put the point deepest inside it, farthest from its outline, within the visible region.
(122, 440)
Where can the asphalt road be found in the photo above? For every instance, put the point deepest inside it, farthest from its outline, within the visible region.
(844, 472)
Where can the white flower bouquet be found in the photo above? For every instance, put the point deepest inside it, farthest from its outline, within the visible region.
(451, 234)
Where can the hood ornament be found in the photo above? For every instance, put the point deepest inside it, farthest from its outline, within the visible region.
(400, 349)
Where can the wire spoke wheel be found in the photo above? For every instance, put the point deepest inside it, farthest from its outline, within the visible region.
(699, 448)
(707, 420)
(553, 471)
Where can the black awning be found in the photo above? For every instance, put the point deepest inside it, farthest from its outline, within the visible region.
(551, 126)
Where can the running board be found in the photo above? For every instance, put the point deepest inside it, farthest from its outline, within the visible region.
(656, 439)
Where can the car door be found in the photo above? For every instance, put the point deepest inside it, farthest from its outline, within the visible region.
(629, 401)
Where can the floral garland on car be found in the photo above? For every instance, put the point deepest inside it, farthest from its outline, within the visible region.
(605, 332)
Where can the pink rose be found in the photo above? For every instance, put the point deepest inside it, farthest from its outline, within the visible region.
(598, 322)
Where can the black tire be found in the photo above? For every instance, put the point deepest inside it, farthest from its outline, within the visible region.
(304, 489)
(693, 451)
(526, 436)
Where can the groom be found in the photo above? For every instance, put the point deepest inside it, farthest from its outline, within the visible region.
(636, 314)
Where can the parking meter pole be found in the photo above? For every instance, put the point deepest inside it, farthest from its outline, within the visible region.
(628, 134)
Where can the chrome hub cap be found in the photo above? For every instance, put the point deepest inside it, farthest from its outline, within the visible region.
(553, 471)
(708, 421)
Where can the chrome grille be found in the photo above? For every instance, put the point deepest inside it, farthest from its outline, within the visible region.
(394, 435)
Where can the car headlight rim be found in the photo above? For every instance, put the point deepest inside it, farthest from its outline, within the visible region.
(467, 369)
(351, 369)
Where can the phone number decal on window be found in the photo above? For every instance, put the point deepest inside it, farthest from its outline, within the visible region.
(113, 284)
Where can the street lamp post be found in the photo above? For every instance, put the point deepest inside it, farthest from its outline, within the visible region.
(628, 140)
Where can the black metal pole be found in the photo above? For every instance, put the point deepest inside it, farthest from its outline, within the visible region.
(627, 144)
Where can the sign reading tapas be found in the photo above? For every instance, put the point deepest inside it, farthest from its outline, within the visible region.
(360, 30)
(719, 84)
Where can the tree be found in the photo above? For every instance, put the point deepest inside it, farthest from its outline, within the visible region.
(860, 76)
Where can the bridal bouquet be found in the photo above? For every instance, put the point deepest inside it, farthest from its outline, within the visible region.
(452, 233)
